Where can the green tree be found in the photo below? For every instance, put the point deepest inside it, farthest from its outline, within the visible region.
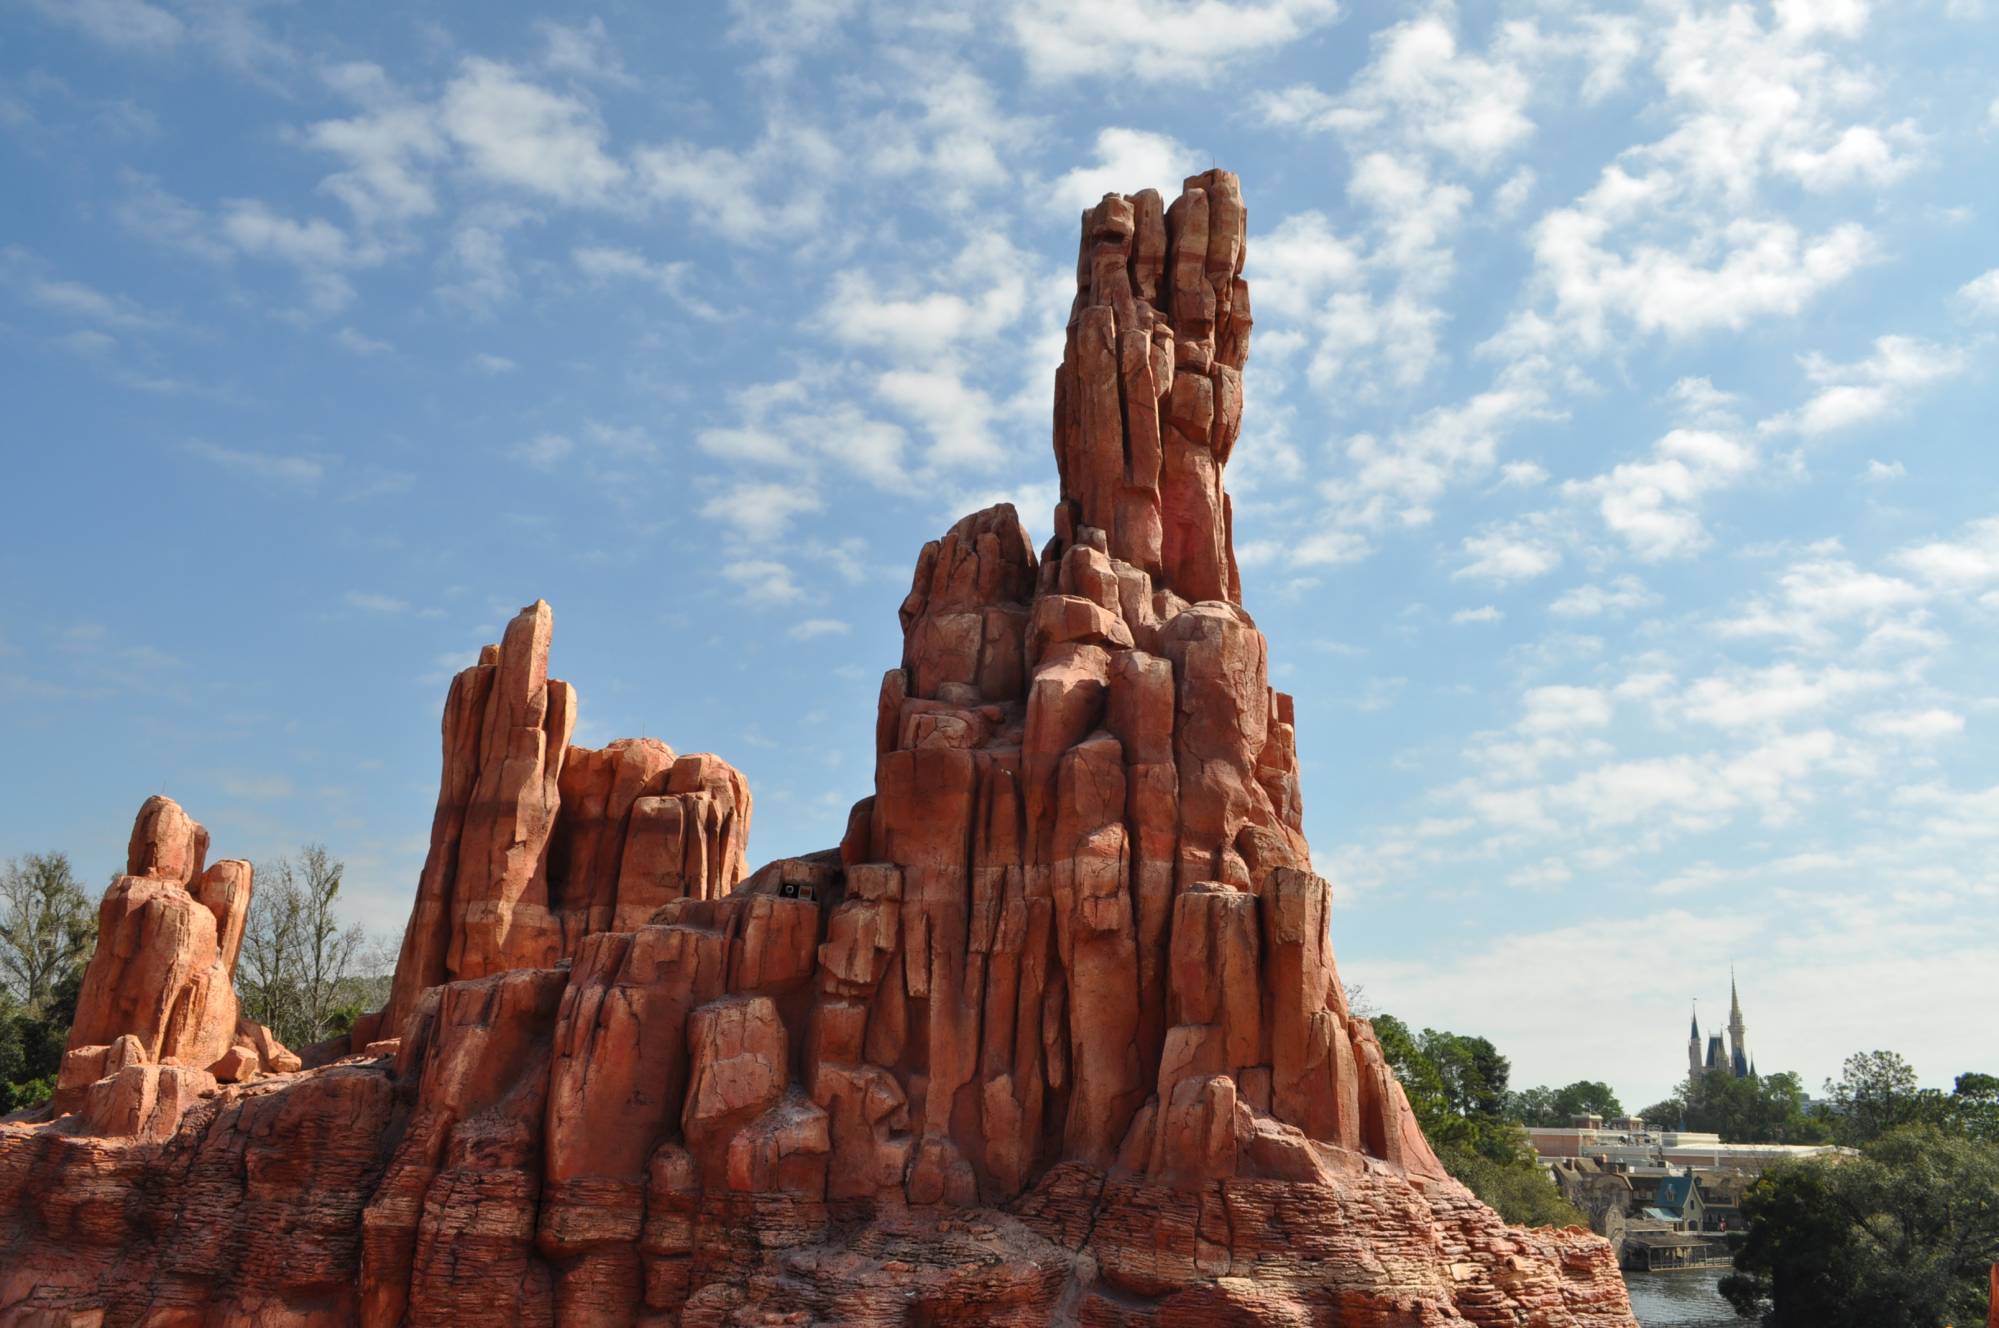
(1973, 1108)
(1875, 1093)
(1456, 1086)
(1900, 1237)
(1760, 1109)
(47, 927)
(1473, 1075)
(296, 970)
(1517, 1188)
(32, 1044)
(1560, 1106)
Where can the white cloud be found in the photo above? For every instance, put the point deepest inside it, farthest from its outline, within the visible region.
(1885, 470)
(788, 27)
(1982, 292)
(360, 343)
(252, 227)
(390, 148)
(544, 451)
(322, 252)
(373, 603)
(1748, 269)
(961, 142)
(1653, 505)
(760, 512)
(1968, 562)
(1395, 481)
(1414, 214)
(606, 263)
(1329, 547)
(76, 300)
(128, 24)
(1590, 601)
(1485, 613)
(1561, 709)
(957, 415)
(1511, 196)
(1506, 556)
(773, 189)
(300, 472)
(976, 297)
(1543, 875)
(1421, 87)
(517, 133)
(1181, 40)
(583, 50)
(1914, 725)
(1128, 160)
(792, 424)
(1857, 393)
(160, 217)
(488, 363)
(817, 627)
(763, 581)
(1818, 597)
(1676, 236)
(477, 253)
(1757, 697)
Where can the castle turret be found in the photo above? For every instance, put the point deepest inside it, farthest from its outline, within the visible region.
(1694, 1066)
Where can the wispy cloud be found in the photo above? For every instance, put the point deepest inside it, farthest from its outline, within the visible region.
(277, 468)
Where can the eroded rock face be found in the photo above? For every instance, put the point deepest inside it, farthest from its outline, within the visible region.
(537, 844)
(156, 1017)
(1054, 1037)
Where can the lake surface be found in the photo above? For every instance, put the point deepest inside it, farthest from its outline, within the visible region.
(1681, 1300)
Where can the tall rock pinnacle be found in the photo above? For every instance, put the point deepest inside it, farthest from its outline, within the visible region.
(1053, 1037)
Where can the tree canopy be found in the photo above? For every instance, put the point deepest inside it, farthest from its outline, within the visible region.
(297, 974)
(1899, 1237)
(47, 927)
(1456, 1085)
(1759, 1109)
(1544, 1106)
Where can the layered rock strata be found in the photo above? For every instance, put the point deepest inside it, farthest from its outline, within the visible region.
(1053, 1037)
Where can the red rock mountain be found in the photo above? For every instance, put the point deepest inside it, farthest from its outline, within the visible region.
(1054, 1036)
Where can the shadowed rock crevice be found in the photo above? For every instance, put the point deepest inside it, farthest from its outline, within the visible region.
(1054, 1036)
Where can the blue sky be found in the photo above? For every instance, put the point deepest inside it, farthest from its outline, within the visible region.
(1617, 487)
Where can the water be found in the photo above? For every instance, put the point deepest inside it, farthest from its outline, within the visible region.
(1681, 1300)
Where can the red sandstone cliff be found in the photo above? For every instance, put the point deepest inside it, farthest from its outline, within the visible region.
(1055, 1036)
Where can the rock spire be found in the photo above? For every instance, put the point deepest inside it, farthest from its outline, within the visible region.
(156, 1015)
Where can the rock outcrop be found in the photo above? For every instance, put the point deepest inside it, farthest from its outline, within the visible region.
(537, 844)
(156, 1021)
(1054, 1036)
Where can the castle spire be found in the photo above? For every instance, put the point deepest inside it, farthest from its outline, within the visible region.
(1738, 1038)
(1694, 1066)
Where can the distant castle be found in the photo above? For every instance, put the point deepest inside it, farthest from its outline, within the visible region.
(1734, 1061)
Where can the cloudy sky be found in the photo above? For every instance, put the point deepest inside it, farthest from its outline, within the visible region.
(1618, 486)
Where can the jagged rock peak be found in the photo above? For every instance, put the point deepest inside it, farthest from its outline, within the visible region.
(537, 843)
(1148, 401)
